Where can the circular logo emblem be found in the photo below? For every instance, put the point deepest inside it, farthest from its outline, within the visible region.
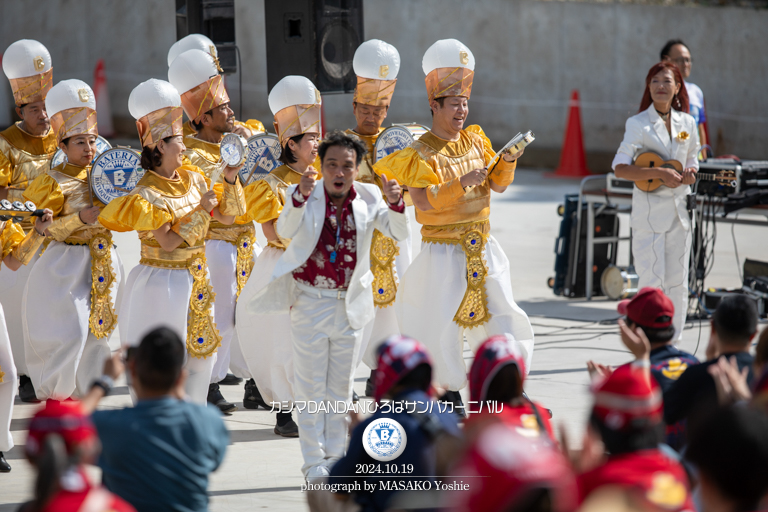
(384, 439)
(263, 157)
(396, 138)
(115, 173)
(101, 146)
(233, 148)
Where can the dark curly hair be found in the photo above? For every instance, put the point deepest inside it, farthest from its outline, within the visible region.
(346, 140)
(151, 157)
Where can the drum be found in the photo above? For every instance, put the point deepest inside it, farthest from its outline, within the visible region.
(619, 282)
(395, 138)
(263, 157)
(115, 173)
(102, 145)
(234, 149)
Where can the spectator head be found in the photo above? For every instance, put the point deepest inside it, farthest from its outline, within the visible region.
(661, 71)
(734, 323)
(497, 373)
(729, 435)
(760, 390)
(628, 410)
(60, 436)
(518, 474)
(677, 52)
(157, 363)
(402, 363)
(761, 353)
(652, 311)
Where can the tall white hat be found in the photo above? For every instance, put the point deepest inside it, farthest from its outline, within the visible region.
(193, 42)
(72, 108)
(295, 103)
(450, 69)
(27, 64)
(195, 76)
(156, 106)
(376, 65)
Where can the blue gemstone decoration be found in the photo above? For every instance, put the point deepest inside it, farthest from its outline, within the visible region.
(101, 279)
(200, 340)
(473, 241)
(199, 267)
(474, 274)
(245, 244)
(101, 246)
(243, 272)
(200, 297)
(381, 290)
(471, 315)
(101, 321)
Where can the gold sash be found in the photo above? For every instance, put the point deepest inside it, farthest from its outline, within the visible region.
(103, 318)
(244, 263)
(383, 252)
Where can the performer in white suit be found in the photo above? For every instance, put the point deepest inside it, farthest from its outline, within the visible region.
(661, 225)
(324, 279)
(78, 279)
(459, 284)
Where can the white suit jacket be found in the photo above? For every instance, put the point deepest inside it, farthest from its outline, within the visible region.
(304, 225)
(645, 131)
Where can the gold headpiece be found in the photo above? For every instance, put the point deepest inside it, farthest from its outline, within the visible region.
(443, 82)
(199, 100)
(374, 92)
(33, 88)
(297, 119)
(157, 125)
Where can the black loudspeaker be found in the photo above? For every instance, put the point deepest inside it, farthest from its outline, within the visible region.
(313, 38)
(214, 19)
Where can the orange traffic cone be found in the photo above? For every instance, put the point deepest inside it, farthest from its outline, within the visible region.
(103, 108)
(573, 162)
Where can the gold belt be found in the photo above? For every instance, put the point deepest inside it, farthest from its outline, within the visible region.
(242, 236)
(152, 256)
(103, 318)
(473, 310)
(383, 252)
(452, 233)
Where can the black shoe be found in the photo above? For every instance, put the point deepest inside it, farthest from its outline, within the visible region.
(5, 467)
(252, 398)
(215, 397)
(230, 380)
(27, 390)
(369, 384)
(454, 397)
(285, 425)
(355, 398)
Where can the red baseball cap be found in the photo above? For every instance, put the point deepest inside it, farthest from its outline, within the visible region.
(494, 354)
(650, 308)
(628, 396)
(398, 356)
(63, 418)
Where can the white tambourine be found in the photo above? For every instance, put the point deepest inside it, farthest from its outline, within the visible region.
(515, 145)
(115, 173)
(102, 145)
(263, 157)
(234, 149)
(395, 138)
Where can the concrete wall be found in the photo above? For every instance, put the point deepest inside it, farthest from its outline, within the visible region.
(530, 55)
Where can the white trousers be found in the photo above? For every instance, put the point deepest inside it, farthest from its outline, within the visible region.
(662, 261)
(7, 386)
(266, 339)
(325, 350)
(222, 265)
(156, 297)
(385, 323)
(63, 356)
(430, 295)
(12, 285)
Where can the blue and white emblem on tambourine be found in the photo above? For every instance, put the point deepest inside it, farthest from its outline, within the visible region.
(102, 145)
(395, 138)
(263, 157)
(384, 439)
(115, 173)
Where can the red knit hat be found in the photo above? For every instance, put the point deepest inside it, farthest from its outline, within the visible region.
(629, 396)
(63, 418)
(398, 356)
(494, 354)
(649, 308)
(509, 466)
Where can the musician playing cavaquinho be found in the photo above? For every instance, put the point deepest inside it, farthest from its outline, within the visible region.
(661, 226)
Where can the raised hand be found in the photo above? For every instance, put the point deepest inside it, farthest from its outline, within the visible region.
(636, 341)
(308, 181)
(44, 222)
(391, 189)
(90, 215)
(208, 202)
(508, 157)
(230, 173)
(474, 177)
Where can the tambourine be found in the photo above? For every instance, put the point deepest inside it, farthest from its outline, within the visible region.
(619, 282)
(263, 157)
(17, 211)
(234, 149)
(102, 145)
(515, 145)
(397, 137)
(115, 173)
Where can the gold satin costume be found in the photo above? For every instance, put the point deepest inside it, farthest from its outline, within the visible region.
(254, 125)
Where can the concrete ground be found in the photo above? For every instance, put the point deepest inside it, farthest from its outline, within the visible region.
(262, 470)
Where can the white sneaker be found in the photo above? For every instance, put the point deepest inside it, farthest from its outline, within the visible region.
(317, 473)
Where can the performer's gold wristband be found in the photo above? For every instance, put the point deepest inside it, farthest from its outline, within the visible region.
(232, 199)
(193, 226)
(26, 250)
(62, 227)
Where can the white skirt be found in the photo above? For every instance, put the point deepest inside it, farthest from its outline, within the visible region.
(266, 339)
(12, 285)
(7, 386)
(63, 356)
(159, 297)
(430, 294)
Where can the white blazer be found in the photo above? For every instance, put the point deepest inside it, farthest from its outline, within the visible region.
(304, 225)
(645, 131)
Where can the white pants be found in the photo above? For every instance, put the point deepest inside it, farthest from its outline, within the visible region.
(661, 261)
(63, 355)
(156, 297)
(266, 339)
(430, 295)
(222, 265)
(385, 322)
(7, 386)
(325, 350)
(12, 285)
